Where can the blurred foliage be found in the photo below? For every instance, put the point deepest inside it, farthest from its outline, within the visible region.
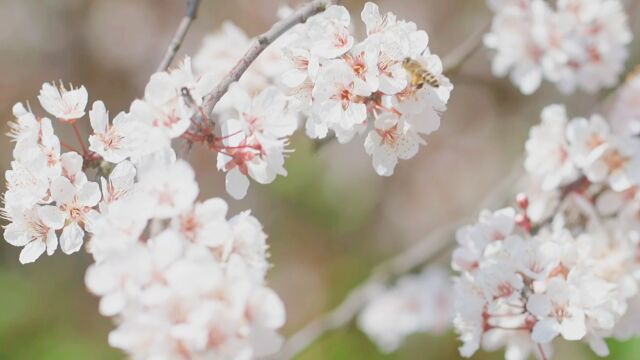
(307, 190)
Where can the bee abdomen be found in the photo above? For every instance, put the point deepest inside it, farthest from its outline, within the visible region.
(431, 79)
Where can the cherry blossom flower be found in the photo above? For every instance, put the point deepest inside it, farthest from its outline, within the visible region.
(340, 100)
(169, 190)
(27, 185)
(66, 105)
(163, 107)
(329, 33)
(416, 304)
(587, 138)
(26, 126)
(390, 140)
(119, 184)
(78, 204)
(264, 115)
(117, 141)
(547, 150)
(203, 220)
(257, 156)
(35, 230)
(619, 164)
(304, 66)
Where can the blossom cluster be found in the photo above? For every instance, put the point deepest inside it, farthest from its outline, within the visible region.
(564, 263)
(578, 44)
(319, 71)
(351, 87)
(415, 304)
(48, 198)
(181, 280)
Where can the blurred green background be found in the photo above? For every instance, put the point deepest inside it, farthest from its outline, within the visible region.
(329, 222)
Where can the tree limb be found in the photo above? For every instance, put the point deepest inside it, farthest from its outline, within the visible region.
(423, 252)
(260, 43)
(456, 58)
(181, 33)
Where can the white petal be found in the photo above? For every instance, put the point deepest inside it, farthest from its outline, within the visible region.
(237, 184)
(89, 194)
(71, 238)
(545, 330)
(16, 235)
(539, 305)
(52, 242)
(112, 304)
(99, 117)
(574, 327)
(32, 251)
(51, 216)
(62, 190)
(267, 309)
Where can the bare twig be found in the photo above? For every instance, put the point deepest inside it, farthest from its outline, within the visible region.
(261, 42)
(633, 10)
(456, 58)
(181, 33)
(423, 252)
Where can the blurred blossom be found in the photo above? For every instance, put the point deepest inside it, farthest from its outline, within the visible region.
(576, 44)
(221, 50)
(417, 303)
(625, 113)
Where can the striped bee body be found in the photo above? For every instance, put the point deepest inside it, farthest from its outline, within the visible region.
(419, 75)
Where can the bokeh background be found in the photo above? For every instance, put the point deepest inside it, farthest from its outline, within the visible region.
(329, 222)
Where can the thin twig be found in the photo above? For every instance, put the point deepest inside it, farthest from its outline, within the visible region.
(423, 252)
(632, 10)
(181, 33)
(261, 42)
(456, 58)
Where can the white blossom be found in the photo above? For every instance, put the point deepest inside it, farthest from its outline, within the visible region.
(417, 303)
(35, 230)
(118, 140)
(576, 44)
(66, 105)
(547, 150)
(77, 203)
(390, 140)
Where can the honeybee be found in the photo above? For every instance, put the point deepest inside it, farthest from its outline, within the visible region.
(419, 75)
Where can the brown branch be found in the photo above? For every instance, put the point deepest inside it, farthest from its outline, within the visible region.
(632, 10)
(423, 252)
(261, 42)
(181, 33)
(456, 58)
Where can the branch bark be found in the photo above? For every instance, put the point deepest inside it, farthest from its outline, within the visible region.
(456, 58)
(261, 42)
(181, 33)
(423, 252)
